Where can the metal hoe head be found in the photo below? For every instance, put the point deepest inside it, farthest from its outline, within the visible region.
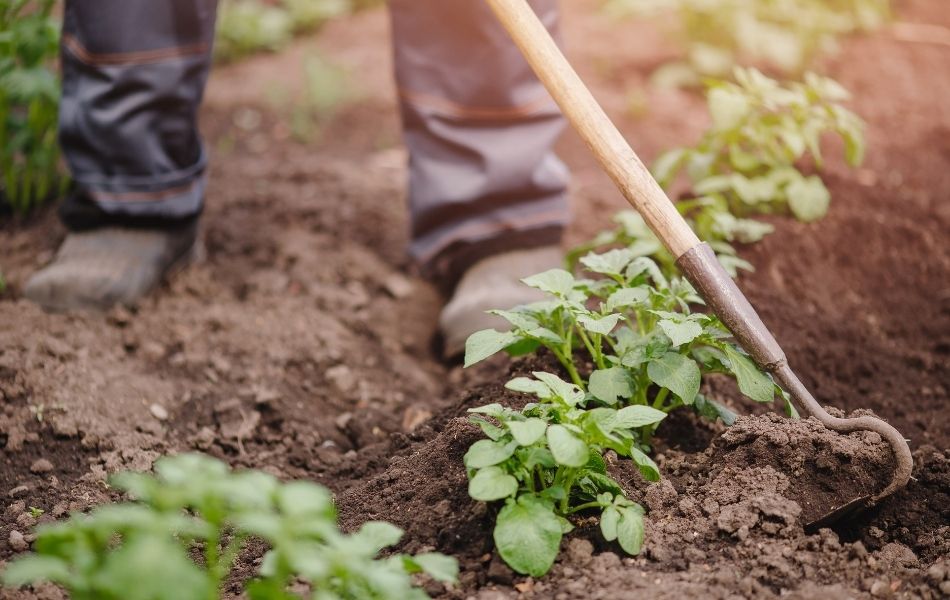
(703, 270)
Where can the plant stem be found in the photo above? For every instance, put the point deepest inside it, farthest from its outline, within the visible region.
(660, 397)
(565, 501)
(586, 505)
(594, 354)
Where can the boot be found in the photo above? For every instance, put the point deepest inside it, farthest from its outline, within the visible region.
(96, 269)
(493, 283)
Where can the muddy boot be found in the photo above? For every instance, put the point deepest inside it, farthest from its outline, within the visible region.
(99, 268)
(493, 283)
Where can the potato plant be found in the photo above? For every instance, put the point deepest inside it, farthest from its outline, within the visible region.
(546, 463)
(633, 351)
(785, 35)
(193, 504)
(30, 170)
(747, 163)
(634, 325)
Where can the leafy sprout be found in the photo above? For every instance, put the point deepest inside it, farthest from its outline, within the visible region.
(546, 462)
(143, 550)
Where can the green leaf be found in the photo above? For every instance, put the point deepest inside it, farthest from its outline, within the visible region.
(438, 566)
(488, 428)
(624, 297)
(528, 431)
(609, 385)
(752, 382)
(492, 483)
(528, 535)
(648, 468)
(728, 108)
(668, 164)
(532, 457)
(555, 281)
(142, 568)
(808, 198)
(630, 531)
(681, 332)
(543, 334)
(522, 347)
(485, 453)
(612, 262)
(568, 392)
(677, 373)
(492, 410)
(303, 498)
(631, 417)
(482, 344)
(601, 325)
(529, 386)
(609, 519)
(713, 410)
(567, 448)
(35, 568)
(378, 535)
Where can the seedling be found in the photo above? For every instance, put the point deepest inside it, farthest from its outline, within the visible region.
(35, 512)
(546, 463)
(143, 550)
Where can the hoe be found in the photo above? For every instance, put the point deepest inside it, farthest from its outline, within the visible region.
(695, 258)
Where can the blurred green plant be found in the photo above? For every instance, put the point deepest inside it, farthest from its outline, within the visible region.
(785, 35)
(29, 104)
(760, 130)
(325, 88)
(247, 26)
(195, 504)
(746, 164)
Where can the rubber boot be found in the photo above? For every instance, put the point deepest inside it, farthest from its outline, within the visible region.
(493, 283)
(97, 269)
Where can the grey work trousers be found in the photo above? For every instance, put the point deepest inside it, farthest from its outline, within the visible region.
(478, 125)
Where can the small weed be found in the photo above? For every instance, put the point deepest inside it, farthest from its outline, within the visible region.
(35, 512)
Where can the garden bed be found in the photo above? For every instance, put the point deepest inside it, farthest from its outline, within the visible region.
(302, 345)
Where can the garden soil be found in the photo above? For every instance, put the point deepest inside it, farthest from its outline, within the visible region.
(303, 343)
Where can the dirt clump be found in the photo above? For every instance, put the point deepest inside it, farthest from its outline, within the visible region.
(828, 468)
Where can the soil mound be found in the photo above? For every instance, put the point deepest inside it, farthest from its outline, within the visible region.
(828, 468)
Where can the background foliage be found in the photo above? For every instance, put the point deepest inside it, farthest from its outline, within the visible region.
(29, 104)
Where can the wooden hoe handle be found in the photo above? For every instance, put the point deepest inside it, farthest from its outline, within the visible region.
(696, 259)
(594, 126)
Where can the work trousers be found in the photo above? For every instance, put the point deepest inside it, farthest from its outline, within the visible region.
(479, 127)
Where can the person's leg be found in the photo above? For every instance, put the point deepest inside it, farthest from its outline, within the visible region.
(485, 186)
(133, 76)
